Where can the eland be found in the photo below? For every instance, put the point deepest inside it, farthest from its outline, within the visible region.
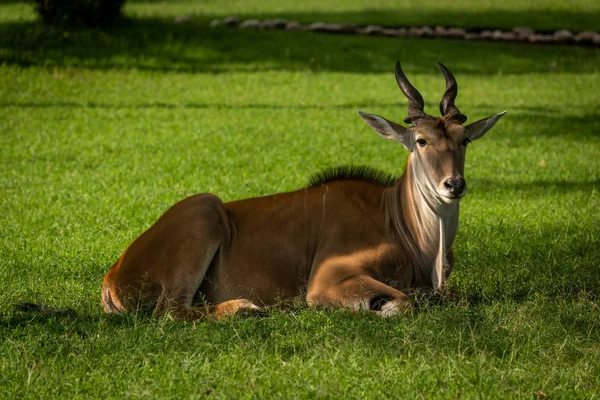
(354, 238)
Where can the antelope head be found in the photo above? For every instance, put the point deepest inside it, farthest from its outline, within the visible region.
(437, 145)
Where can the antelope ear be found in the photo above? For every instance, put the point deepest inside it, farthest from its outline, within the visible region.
(479, 128)
(389, 130)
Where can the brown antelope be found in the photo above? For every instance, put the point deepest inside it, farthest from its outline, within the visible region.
(353, 238)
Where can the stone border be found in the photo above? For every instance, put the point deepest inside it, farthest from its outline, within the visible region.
(518, 34)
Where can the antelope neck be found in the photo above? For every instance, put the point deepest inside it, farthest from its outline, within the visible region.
(424, 222)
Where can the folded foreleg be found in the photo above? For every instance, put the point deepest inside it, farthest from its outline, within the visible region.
(360, 292)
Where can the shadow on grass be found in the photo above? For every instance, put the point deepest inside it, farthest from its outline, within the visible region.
(56, 324)
(159, 105)
(499, 261)
(537, 187)
(553, 261)
(63, 320)
(548, 121)
(162, 45)
(527, 111)
(541, 18)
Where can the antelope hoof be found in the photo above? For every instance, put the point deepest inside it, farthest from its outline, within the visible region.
(232, 307)
(394, 307)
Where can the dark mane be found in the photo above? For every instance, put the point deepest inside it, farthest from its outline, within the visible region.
(353, 172)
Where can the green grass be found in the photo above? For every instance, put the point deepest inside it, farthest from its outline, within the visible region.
(101, 131)
(543, 15)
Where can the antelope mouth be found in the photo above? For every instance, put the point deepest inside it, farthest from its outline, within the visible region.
(450, 197)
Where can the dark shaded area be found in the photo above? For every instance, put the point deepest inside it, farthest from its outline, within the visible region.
(549, 121)
(57, 325)
(539, 18)
(557, 124)
(44, 309)
(160, 105)
(79, 13)
(64, 320)
(162, 45)
(536, 187)
(542, 20)
(553, 262)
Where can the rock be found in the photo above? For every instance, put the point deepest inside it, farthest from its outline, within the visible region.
(280, 23)
(540, 38)
(439, 31)
(332, 28)
(293, 26)
(497, 34)
(372, 30)
(215, 22)
(518, 33)
(250, 24)
(509, 37)
(181, 19)
(340, 28)
(426, 31)
(563, 36)
(585, 37)
(456, 33)
(518, 38)
(346, 28)
(420, 31)
(402, 32)
(545, 39)
(414, 31)
(486, 35)
(390, 32)
(318, 27)
(523, 31)
(231, 21)
(277, 23)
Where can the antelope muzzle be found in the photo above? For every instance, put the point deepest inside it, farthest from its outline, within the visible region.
(454, 188)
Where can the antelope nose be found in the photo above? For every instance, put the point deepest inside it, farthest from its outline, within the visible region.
(455, 185)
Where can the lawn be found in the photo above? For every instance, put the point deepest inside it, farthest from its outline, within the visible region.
(100, 132)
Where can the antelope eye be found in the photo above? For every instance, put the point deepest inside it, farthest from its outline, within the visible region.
(421, 142)
(466, 142)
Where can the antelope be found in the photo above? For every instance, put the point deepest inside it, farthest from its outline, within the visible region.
(354, 238)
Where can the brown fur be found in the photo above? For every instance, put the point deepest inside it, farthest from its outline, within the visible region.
(346, 241)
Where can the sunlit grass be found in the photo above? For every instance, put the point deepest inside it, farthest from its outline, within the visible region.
(100, 132)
